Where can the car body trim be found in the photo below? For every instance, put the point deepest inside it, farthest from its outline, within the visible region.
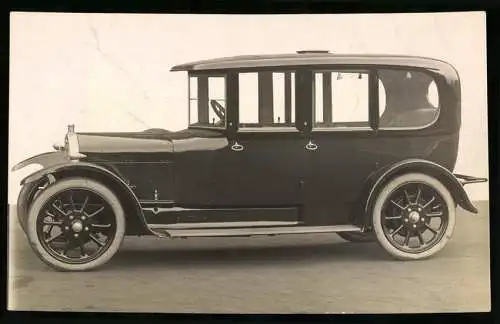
(157, 210)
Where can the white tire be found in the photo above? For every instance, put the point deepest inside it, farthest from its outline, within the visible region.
(58, 261)
(400, 252)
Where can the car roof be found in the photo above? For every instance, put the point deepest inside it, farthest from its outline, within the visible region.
(315, 58)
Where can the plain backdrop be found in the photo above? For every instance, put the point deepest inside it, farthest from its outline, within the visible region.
(110, 72)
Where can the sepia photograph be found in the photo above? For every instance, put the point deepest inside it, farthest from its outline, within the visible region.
(248, 164)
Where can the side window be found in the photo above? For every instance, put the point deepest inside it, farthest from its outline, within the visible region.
(340, 99)
(266, 99)
(207, 101)
(411, 99)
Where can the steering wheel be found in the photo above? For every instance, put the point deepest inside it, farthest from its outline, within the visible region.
(218, 109)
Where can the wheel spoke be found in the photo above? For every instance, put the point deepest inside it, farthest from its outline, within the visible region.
(84, 204)
(100, 226)
(59, 211)
(431, 229)
(434, 214)
(58, 202)
(50, 214)
(429, 202)
(50, 229)
(407, 238)
(393, 217)
(397, 205)
(95, 239)
(419, 192)
(94, 213)
(83, 254)
(420, 238)
(72, 202)
(51, 222)
(53, 237)
(67, 248)
(397, 231)
(407, 197)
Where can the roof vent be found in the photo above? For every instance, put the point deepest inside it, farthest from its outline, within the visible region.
(313, 52)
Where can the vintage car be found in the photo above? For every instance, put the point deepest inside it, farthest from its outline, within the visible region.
(310, 142)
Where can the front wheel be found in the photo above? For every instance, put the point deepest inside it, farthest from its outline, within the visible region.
(76, 225)
(414, 216)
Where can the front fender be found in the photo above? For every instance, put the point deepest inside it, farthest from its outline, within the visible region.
(417, 165)
(86, 169)
(45, 160)
(69, 165)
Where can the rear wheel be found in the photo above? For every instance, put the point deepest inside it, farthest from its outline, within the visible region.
(76, 224)
(414, 216)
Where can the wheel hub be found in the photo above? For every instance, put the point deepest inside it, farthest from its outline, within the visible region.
(414, 217)
(77, 226)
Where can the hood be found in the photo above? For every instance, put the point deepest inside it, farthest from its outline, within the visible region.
(151, 141)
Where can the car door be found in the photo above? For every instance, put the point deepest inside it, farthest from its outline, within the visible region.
(341, 152)
(263, 165)
(261, 170)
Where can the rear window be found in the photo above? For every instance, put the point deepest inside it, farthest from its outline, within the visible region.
(410, 99)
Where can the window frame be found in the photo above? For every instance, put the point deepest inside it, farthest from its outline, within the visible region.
(227, 94)
(373, 98)
(439, 88)
(293, 102)
(304, 99)
(370, 72)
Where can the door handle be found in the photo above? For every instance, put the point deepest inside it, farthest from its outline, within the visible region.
(311, 146)
(237, 147)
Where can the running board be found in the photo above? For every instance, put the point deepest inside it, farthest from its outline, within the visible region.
(220, 225)
(254, 231)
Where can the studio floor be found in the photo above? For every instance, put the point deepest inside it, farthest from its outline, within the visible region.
(283, 274)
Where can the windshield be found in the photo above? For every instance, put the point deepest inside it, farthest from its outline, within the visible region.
(207, 101)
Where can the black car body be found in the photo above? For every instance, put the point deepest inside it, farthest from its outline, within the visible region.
(301, 164)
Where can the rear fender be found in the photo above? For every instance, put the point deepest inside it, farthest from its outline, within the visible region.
(90, 170)
(378, 180)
